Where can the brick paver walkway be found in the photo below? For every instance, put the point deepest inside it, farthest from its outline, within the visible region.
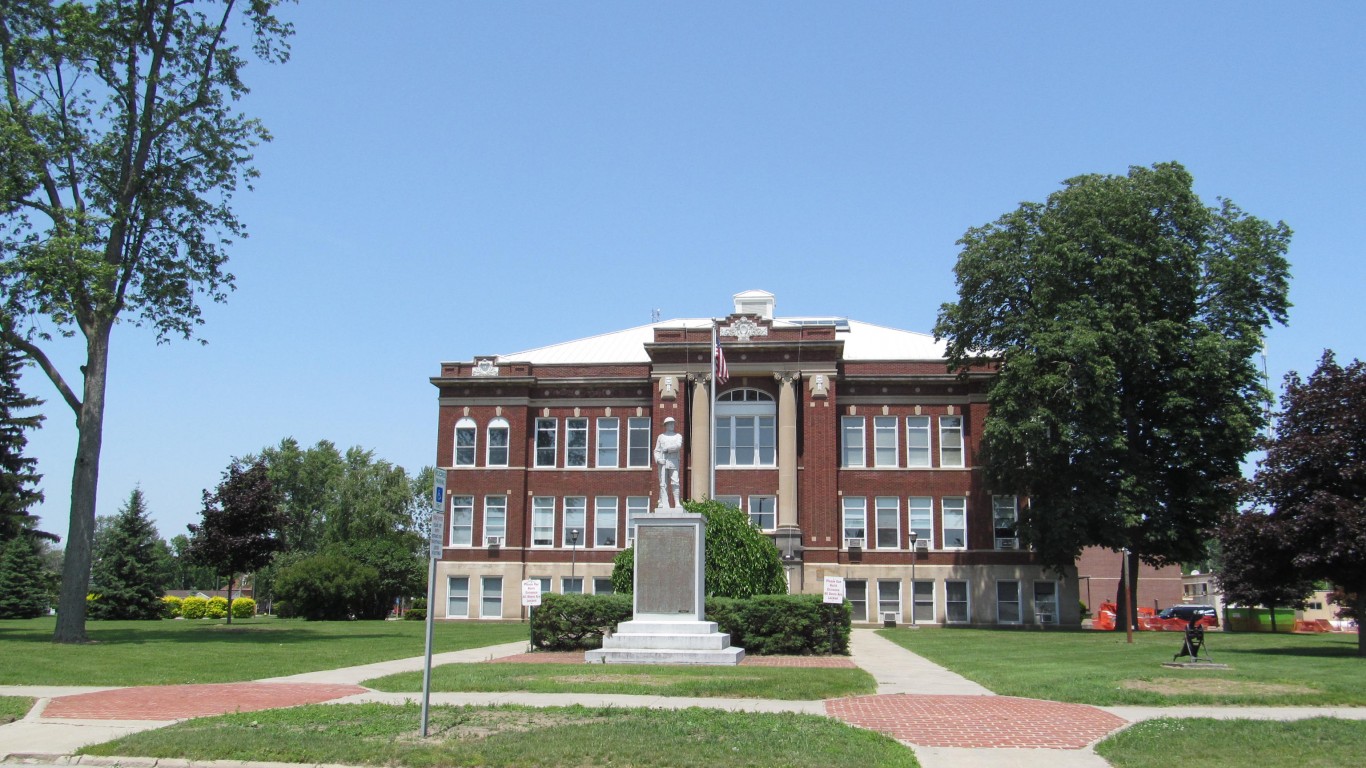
(977, 721)
(175, 702)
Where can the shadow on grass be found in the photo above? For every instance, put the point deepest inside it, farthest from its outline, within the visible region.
(149, 632)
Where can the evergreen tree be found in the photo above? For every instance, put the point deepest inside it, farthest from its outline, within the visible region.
(18, 475)
(129, 577)
(24, 585)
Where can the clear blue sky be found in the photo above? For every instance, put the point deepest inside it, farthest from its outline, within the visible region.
(451, 179)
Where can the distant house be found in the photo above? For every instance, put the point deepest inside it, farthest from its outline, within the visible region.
(845, 442)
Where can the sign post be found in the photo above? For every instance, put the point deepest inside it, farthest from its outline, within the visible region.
(531, 597)
(434, 540)
(834, 593)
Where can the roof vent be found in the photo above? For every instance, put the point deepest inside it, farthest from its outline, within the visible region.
(754, 303)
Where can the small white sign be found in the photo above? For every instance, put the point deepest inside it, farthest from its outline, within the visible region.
(439, 490)
(434, 536)
(834, 589)
(531, 593)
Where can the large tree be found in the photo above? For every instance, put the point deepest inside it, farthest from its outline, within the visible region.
(129, 577)
(1313, 478)
(123, 144)
(1124, 316)
(240, 524)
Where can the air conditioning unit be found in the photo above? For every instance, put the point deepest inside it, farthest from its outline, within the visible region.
(493, 542)
(853, 543)
(1007, 543)
(922, 545)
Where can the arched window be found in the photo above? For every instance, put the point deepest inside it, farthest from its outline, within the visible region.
(465, 432)
(498, 443)
(746, 429)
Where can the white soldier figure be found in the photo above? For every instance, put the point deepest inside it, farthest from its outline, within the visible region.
(668, 448)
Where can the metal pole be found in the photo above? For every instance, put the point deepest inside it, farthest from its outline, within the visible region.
(915, 555)
(427, 654)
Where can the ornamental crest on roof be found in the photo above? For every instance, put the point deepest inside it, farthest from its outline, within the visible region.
(483, 366)
(743, 329)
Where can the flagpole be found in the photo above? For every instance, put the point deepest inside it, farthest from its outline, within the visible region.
(711, 460)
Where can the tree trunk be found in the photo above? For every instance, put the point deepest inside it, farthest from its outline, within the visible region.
(1272, 610)
(231, 581)
(1360, 611)
(84, 484)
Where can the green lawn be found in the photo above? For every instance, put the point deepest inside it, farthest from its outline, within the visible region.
(797, 684)
(1100, 668)
(209, 651)
(1204, 743)
(376, 734)
(14, 708)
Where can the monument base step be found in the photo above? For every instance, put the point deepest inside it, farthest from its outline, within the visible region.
(643, 641)
(723, 657)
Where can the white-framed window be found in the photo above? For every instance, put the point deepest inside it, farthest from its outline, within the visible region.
(1046, 602)
(571, 585)
(490, 597)
(856, 592)
(887, 518)
(636, 508)
(1004, 513)
(855, 510)
(462, 520)
(545, 583)
(576, 442)
(1008, 602)
(955, 521)
(889, 600)
(922, 601)
(921, 514)
(575, 519)
(605, 521)
(638, 441)
(499, 432)
(466, 432)
(763, 512)
(546, 432)
(543, 521)
(884, 441)
(917, 441)
(602, 585)
(950, 441)
(957, 609)
(495, 519)
(851, 441)
(609, 440)
(746, 429)
(457, 597)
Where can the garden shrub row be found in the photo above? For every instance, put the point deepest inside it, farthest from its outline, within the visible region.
(762, 625)
(206, 608)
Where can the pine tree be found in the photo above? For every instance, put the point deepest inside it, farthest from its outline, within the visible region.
(129, 578)
(18, 478)
(23, 583)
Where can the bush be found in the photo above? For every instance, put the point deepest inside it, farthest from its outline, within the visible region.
(23, 593)
(193, 607)
(170, 606)
(417, 611)
(217, 608)
(328, 587)
(572, 622)
(741, 560)
(243, 607)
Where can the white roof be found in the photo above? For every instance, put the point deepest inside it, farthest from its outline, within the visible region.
(862, 341)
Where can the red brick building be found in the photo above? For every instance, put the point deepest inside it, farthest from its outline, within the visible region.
(842, 440)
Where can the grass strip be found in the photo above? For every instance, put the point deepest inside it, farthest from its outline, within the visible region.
(1100, 668)
(210, 651)
(1206, 743)
(14, 708)
(377, 734)
(789, 683)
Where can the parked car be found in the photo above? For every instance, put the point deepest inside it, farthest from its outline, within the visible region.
(1206, 613)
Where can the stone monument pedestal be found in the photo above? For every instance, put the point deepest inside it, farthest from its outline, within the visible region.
(668, 625)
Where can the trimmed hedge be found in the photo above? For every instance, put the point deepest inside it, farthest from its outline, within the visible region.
(217, 608)
(170, 607)
(243, 608)
(193, 607)
(762, 625)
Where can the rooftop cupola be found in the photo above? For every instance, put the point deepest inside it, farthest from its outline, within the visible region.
(754, 303)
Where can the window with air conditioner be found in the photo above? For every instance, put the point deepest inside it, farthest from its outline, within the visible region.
(495, 520)
(855, 513)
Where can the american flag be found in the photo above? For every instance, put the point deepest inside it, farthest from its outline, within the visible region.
(722, 375)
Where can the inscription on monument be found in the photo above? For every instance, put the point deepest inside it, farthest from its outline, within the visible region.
(669, 584)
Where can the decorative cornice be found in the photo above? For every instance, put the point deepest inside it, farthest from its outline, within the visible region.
(743, 328)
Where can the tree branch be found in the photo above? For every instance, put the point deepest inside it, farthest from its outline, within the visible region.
(39, 357)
